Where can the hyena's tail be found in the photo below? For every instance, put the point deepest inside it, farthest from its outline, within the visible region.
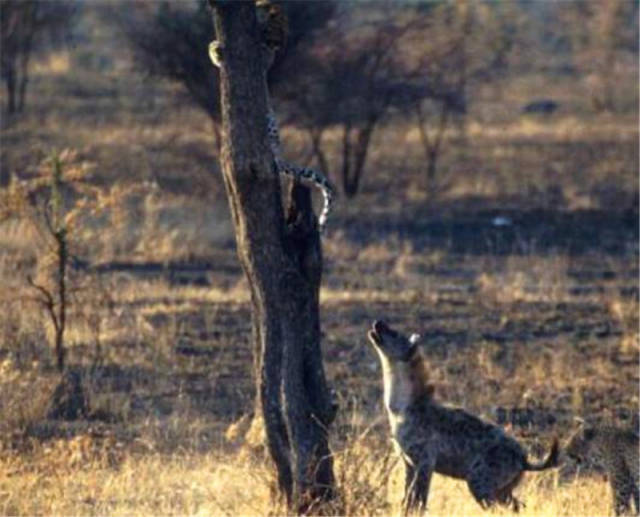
(551, 461)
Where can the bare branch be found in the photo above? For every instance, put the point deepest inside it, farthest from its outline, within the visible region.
(48, 301)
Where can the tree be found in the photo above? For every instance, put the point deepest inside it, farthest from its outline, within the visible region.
(349, 78)
(53, 221)
(53, 295)
(598, 32)
(56, 202)
(442, 68)
(283, 263)
(467, 43)
(170, 40)
(418, 60)
(23, 25)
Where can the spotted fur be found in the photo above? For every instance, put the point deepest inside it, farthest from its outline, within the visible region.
(435, 438)
(618, 452)
(274, 26)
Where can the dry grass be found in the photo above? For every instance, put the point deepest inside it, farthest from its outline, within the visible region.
(526, 278)
(170, 465)
(82, 477)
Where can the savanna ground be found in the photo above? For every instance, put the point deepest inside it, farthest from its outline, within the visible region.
(540, 314)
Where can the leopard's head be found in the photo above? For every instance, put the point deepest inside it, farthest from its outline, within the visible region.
(579, 444)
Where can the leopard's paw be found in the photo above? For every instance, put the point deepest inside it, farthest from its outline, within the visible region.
(215, 53)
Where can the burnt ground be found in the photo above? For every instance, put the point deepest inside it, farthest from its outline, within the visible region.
(527, 335)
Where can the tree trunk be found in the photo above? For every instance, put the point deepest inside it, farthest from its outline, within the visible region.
(430, 179)
(283, 263)
(316, 149)
(361, 150)
(432, 146)
(346, 157)
(354, 155)
(10, 81)
(24, 74)
(314, 410)
(22, 92)
(61, 257)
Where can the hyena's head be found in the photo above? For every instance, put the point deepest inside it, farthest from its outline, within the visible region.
(391, 344)
(580, 443)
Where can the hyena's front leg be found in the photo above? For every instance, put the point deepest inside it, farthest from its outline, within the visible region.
(482, 484)
(416, 487)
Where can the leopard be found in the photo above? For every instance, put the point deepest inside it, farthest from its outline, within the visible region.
(431, 437)
(617, 450)
(273, 24)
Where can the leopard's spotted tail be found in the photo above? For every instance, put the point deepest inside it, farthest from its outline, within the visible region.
(318, 179)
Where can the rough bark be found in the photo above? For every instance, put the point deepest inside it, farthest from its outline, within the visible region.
(283, 263)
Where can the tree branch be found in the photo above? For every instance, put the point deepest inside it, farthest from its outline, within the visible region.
(48, 301)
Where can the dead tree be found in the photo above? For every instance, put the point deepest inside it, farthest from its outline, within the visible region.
(282, 259)
(23, 23)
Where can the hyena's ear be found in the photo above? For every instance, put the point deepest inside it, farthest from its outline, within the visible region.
(414, 338)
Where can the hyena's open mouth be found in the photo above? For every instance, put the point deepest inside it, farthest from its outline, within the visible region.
(378, 330)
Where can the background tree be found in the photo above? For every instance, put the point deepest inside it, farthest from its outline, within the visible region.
(597, 32)
(53, 295)
(42, 204)
(370, 63)
(343, 67)
(349, 78)
(469, 43)
(282, 260)
(24, 26)
(170, 39)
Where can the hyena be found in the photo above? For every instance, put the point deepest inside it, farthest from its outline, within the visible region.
(434, 438)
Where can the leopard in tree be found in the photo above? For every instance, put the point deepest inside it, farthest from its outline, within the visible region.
(274, 26)
(615, 449)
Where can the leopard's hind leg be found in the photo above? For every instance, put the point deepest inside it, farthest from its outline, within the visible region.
(318, 179)
(505, 494)
(622, 490)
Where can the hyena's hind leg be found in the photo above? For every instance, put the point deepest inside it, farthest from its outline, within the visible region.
(483, 486)
(505, 496)
(508, 499)
(487, 492)
(416, 488)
